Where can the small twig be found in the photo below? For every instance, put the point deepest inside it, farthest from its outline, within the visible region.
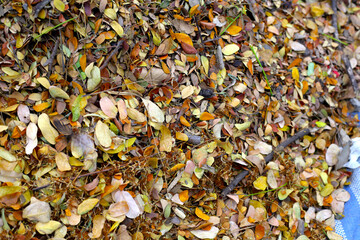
(226, 28)
(199, 31)
(41, 187)
(107, 60)
(335, 39)
(268, 158)
(52, 56)
(91, 173)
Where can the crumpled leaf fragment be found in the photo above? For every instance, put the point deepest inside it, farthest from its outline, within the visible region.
(203, 234)
(134, 210)
(37, 211)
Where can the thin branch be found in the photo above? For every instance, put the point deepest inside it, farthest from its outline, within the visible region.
(268, 158)
(107, 60)
(91, 173)
(52, 56)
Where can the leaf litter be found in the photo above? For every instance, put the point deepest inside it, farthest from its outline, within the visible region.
(129, 120)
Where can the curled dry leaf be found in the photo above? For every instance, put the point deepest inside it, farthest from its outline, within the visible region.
(332, 154)
(81, 145)
(31, 138)
(98, 225)
(134, 209)
(203, 234)
(118, 209)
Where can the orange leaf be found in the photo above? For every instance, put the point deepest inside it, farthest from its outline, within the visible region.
(97, 25)
(83, 62)
(100, 39)
(109, 35)
(177, 167)
(194, 10)
(331, 81)
(184, 122)
(184, 196)
(233, 30)
(191, 58)
(201, 215)
(305, 87)
(165, 68)
(250, 67)
(183, 37)
(40, 107)
(259, 232)
(295, 63)
(206, 116)
(16, 132)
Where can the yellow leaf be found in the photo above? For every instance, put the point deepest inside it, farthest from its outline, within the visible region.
(156, 37)
(230, 49)
(59, 5)
(48, 131)
(117, 27)
(295, 74)
(165, 140)
(102, 133)
(87, 205)
(260, 183)
(6, 190)
(316, 10)
(201, 215)
(44, 82)
(57, 92)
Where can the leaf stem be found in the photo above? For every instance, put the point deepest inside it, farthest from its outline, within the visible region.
(223, 31)
(335, 39)
(257, 59)
(50, 29)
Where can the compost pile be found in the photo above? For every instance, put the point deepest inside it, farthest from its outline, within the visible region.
(131, 119)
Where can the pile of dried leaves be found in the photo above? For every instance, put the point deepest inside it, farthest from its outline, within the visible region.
(128, 119)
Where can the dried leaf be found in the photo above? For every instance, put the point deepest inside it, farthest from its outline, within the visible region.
(102, 133)
(48, 131)
(87, 205)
